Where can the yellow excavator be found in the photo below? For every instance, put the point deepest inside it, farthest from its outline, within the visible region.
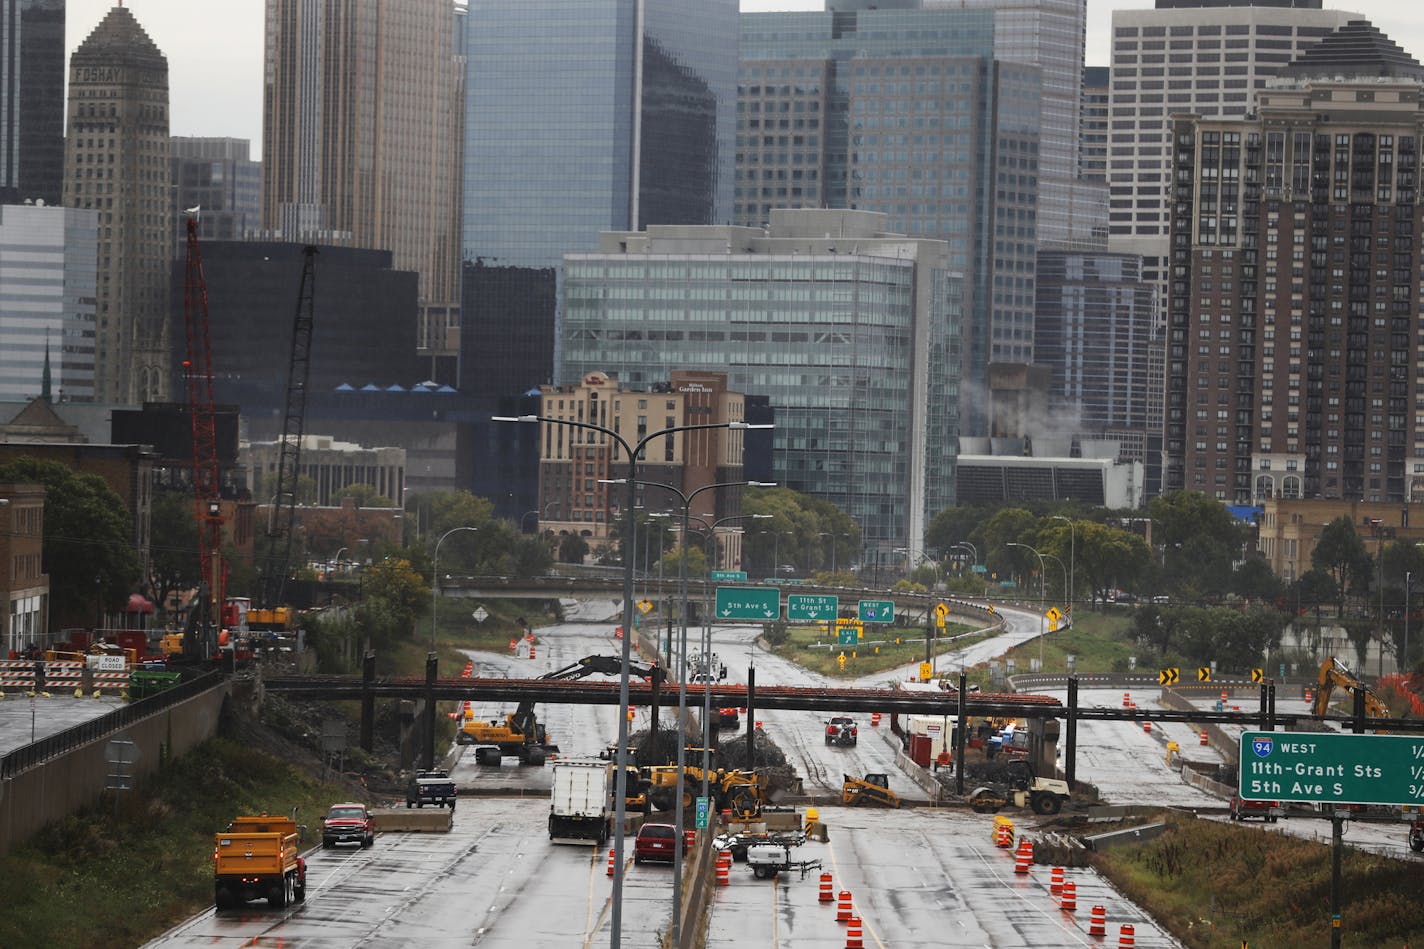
(741, 792)
(1334, 674)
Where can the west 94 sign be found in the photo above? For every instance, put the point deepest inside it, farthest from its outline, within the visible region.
(1330, 768)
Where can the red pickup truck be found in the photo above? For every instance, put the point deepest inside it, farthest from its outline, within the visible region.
(348, 823)
(1267, 810)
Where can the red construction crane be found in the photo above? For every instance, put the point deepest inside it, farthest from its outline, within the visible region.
(201, 638)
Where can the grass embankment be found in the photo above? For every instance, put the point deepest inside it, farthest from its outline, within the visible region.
(1214, 884)
(884, 647)
(117, 876)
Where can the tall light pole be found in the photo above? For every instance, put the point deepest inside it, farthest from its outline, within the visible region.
(686, 500)
(1042, 596)
(1059, 561)
(621, 784)
(435, 578)
(1404, 659)
(707, 651)
(1072, 559)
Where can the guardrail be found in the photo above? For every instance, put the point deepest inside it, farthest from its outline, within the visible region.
(52, 746)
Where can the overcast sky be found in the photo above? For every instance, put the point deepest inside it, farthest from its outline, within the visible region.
(214, 49)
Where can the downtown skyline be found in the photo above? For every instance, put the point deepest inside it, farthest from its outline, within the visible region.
(215, 50)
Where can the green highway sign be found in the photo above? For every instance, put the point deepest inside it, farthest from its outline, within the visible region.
(876, 611)
(807, 606)
(1332, 768)
(758, 603)
(847, 636)
(729, 576)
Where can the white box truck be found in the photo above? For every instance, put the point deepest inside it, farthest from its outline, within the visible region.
(579, 809)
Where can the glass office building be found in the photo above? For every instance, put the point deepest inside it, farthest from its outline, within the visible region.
(851, 332)
(907, 112)
(31, 100)
(570, 132)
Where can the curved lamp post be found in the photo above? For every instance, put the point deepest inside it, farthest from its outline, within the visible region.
(1042, 596)
(621, 785)
(686, 500)
(1072, 559)
(435, 577)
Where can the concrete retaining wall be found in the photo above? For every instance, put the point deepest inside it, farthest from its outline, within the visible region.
(65, 783)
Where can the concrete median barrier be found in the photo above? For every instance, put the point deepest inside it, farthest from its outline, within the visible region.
(419, 819)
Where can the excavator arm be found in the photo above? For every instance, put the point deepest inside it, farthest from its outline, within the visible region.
(1333, 674)
(608, 665)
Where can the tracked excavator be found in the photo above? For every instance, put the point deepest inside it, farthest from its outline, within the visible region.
(1334, 674)
(519, 734)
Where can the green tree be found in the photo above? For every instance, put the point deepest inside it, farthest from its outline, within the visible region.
(1109, 558)
(1199, 540)
(696, 562)
(88, 540)
(796, 529)
(573, 548)
(1009, 525)
(1254, 580)
(173, 546)
(365, 495)
(1341, 552)
(396, 594)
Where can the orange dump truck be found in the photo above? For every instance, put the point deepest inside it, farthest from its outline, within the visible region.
(256, 858)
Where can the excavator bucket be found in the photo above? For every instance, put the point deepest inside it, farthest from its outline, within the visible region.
(873, 791)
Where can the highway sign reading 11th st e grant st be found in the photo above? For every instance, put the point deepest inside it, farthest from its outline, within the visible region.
(1332, 769)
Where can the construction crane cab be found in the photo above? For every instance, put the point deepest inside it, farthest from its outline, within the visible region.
(1334, 674)
(520, 734)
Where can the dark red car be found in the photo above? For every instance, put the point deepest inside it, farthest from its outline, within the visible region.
(656, 842)
(348, 823)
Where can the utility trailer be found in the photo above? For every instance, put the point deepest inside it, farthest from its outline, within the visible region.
(768, 859)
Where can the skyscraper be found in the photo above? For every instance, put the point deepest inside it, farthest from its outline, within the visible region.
(582, 118)
(1199, 56)
(31, 100)
(360, 145)
(904, 111)
(116, 162)
(47, 302)
(1293, 315)
(217, 175)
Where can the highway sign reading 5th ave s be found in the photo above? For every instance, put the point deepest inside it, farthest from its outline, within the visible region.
(1331, 768)
(758, 603)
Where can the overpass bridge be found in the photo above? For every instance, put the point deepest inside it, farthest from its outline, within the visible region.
(1042, 712)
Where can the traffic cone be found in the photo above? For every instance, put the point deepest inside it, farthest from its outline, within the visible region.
(1022, 859)
(1127, 700)
(610, 863)
(724, 867)
(1055, 881)
(531, 650)
(1126, 937)
(826, 896)
(843, 907)
(1098, 922)
(1203, 736)
(1146, 726)
(853, 936)
(1069, 901)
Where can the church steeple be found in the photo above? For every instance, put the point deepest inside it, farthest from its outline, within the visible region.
(45, 379)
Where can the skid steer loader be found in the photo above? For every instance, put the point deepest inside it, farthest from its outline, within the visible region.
(873, 790)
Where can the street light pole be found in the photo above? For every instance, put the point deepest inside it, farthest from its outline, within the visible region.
(1072, 560)
(621, 783)
(435, 578)
(1404, 659)
(1042, 597)
(686, 500)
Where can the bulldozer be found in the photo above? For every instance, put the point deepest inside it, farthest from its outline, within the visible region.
(741, 792)
(1044, 796)
(872, 790)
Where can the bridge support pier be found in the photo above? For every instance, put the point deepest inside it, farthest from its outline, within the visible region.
(368, 702)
